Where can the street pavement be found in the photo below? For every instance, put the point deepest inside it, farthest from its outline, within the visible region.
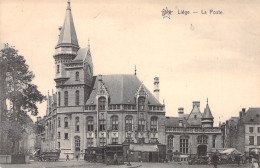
(82, 163)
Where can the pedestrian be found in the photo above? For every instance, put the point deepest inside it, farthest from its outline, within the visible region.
(115, 159)
(67, 158)
(215, 160)
(94, 156)
(254, 162)
(77, 157)
(237, 158)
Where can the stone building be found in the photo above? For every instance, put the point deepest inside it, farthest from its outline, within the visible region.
(193, 133)
(244, 133)
(92, 111)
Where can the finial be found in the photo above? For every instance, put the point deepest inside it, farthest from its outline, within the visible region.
(88, 44)
(207, 100)
(135, 69)
(68, 7)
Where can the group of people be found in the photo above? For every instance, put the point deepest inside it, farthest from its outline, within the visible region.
(68, 157)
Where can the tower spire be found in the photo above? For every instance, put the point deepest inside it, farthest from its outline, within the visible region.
(68, 36)
(135, 70)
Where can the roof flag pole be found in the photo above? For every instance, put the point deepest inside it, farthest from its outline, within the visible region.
(135, 69)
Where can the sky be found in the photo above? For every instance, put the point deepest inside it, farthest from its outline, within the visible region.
(196, 56)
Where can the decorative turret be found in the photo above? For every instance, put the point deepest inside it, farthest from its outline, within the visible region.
(156, 90)
(207, 119)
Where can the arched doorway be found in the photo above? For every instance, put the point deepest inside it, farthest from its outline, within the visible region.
(77, 146)
(202, 150)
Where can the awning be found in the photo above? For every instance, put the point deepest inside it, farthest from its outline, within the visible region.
(143, 147)
(231, 151)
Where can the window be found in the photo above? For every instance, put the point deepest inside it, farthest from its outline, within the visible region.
(66, 136)
(154, 124)
(258, 140)
(58, 69)
(128, 123)
(184, 144)
(154, 140)
(77, 76)
(89, 142)
(114, 140)
(58, 98)
(180, 123)
(77, 124)
(66, 98)
(140, 140)
(114, 123)
(58, 135)
(102, 125)
(251, 129)
(141, 103)
(170, 142)
(77, 142)
(202, 139)
(195, 116)
(59, 145)
(77, 98)
(66, 123)
(90, 124)
(58, 121)
(258, 129)
(214, 141)
(101, 103)
(251, 140)
(102, 141)
(128, 138)
(141, 125)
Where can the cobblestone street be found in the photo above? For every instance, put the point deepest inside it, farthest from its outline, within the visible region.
(82, 163)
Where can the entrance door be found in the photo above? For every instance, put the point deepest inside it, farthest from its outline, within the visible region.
(202, 150)
(77, 147)
(77, 152)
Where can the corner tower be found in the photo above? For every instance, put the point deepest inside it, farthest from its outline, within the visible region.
(207, 119)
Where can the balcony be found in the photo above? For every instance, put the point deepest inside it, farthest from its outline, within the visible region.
(194, 130)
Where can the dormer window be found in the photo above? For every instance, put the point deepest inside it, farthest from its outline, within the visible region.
(77, 76)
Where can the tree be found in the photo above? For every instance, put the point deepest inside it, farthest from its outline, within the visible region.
(16, 87)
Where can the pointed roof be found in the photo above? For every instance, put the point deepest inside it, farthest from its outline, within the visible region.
(207, 113)
(68, 35)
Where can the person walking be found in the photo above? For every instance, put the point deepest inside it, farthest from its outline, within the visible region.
(67, 158)
(215, 160)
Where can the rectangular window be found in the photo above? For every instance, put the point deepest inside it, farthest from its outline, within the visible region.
(184, 146)
(59, 122)
(66, 98)
(114, 140)
(141, 125)
(58, 69)
(59, 145)
(102, 125)
(102, 141)
(58, 135)
(258, 140)
(90, 142)
(66, 136)
(258, 129)
(251, 140)
(251, 129)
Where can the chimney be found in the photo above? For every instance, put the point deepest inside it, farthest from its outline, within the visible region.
(156, 90)
(181, 112)
(243, 112)
(99, 80)
(196, 103)
(240, 114)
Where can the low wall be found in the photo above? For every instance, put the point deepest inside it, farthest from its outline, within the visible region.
(5, 159)
(18, 159)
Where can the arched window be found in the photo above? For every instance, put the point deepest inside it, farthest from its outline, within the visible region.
(114, 121)
(77, 97)
(58, 69)
(66, 123)
(58, 98)
(184, 144)
(77, 142)
(90, 123)
(141, 103)
(214, 141)
(101, 103)
(154, 124)
(170, 141)
(77, 76)
(128, 123)
(66, 98)
(202, 139)
(77, 124)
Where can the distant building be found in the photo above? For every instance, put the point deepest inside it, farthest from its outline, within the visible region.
(92, 111)
(193, 133)
(243, 132)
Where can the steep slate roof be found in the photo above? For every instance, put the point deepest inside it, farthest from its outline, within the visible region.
(207, 113)
(68, 33)
(81, 54)
(252, 116)
(193, 121)
(174, 122)
(121, 89)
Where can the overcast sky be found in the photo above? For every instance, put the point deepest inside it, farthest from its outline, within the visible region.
(195, 56)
